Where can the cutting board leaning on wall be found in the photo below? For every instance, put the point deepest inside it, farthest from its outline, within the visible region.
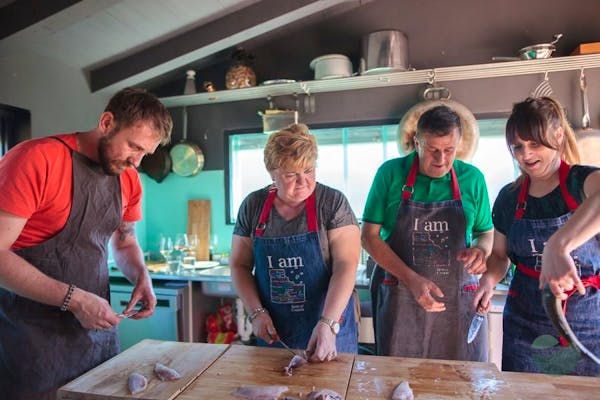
(198, 222)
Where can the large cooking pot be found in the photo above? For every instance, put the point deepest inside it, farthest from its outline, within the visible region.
(588, 139)
(407, 128)
(384, 51)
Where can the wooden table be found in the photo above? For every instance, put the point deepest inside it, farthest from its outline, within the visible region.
(376, 377)
(541, 387)
(211, 371)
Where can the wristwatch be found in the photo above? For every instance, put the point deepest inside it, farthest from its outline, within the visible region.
(334, 325)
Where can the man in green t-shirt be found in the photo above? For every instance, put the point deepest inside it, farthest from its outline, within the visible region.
(427, 224)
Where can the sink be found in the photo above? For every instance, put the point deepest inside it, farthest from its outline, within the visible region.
(221, 270)
(218, 282)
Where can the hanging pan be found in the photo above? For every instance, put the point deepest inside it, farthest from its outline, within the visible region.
(436, 96)
(187, 157)
(158, 164)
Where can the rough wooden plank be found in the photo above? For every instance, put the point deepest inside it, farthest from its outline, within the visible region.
(249, 365)
(109, 380)
(375, 377)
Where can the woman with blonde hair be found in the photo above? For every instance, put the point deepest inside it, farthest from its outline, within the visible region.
(547, 224)
(302, 240)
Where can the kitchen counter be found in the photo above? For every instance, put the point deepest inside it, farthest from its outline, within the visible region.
(215, 371)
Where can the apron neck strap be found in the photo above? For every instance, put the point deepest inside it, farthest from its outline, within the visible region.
(411, 179)
(311, 212)
(563, 172)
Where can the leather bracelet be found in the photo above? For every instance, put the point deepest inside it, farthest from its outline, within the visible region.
(67, 300)
(255, 313)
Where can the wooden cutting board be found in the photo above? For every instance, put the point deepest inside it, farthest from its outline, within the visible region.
(540, 386)
(249, 365)
(109, 380)
(375, 377)
(199, 223)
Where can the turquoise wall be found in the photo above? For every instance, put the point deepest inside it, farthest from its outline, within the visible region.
(165, 207)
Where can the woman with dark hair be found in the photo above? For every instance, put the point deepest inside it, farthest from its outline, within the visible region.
(547, 224)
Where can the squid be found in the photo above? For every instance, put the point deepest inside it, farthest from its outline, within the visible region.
(165, 373)
(136, 383)
(553, 307)
(323, 394)
(296, 362)
(253, 392)
(403, 392)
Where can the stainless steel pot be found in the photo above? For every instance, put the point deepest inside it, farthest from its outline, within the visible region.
(384, 51)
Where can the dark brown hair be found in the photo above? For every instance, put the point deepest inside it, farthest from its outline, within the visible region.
(131, 105)
(537, 119)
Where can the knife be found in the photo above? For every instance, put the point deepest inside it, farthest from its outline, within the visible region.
(476, 322)
(285, 346)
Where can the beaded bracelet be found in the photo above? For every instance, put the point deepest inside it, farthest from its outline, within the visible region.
(67, 300)
(255, 313)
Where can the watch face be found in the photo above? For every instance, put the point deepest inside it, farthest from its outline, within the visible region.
(335, 327)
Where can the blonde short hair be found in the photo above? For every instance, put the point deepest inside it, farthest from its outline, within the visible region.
(292, 147)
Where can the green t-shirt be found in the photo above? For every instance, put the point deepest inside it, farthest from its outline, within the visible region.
(386, 194)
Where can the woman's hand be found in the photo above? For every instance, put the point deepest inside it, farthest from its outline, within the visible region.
(321, 346)
(559, 271)
(263, 328)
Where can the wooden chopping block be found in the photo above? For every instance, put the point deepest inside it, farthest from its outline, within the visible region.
(109, 380)
(376, 377)
(251, 365)
(541, 386)
(199, 223)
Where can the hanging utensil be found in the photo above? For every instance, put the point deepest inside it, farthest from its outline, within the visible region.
(543, 89)
(588, 139)
(585, 119)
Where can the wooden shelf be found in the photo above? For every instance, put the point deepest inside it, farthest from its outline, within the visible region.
(445, 74)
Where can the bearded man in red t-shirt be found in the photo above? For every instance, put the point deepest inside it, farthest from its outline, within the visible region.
(63, 198)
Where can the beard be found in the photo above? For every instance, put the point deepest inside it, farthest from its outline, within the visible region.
(109, 166)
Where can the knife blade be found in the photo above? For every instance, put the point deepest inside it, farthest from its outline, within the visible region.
(285, 346)
(475, 325)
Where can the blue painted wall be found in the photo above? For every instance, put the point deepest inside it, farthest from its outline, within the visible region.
(165, 207)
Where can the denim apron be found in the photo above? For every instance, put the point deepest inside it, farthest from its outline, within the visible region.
(524, 317)
(41, 347)
(427, 237)
(292, 280)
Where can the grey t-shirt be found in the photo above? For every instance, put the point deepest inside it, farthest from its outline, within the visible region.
(333, 211)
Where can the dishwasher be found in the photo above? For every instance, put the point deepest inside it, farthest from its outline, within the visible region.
(168, 321)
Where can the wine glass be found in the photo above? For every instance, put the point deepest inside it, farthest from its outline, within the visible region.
(166, 246)
(190, 255)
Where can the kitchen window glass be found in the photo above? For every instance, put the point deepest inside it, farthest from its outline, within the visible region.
(349, 157)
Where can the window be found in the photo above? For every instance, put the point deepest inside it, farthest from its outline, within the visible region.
(349, 158)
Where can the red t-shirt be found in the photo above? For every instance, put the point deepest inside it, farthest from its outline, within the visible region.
(36, 182)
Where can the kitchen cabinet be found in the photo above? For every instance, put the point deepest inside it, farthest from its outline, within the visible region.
(433, 75)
